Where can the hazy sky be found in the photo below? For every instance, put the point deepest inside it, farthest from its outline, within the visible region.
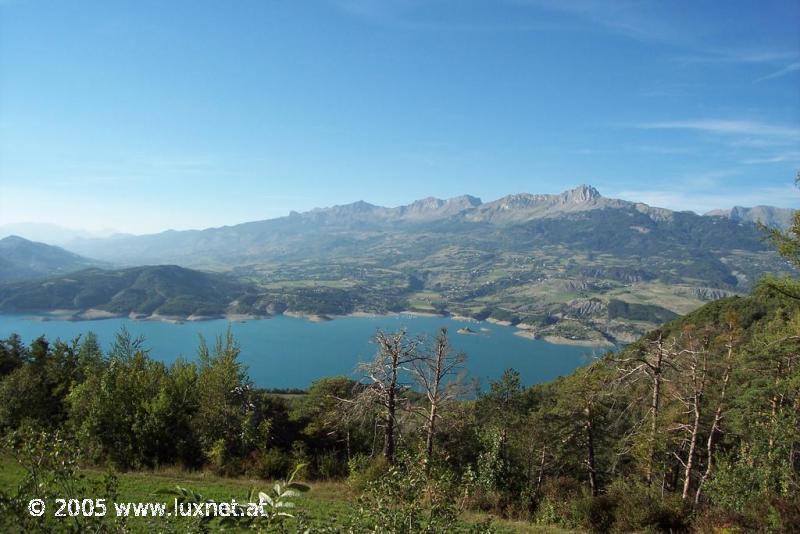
(143, 116)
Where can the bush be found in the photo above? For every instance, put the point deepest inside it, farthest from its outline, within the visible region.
(218, 456)
(626, 507)
(50, 461)
(407, 499)
(722, 521)
(786, 513)
(761, 514)
(363, 470)
(272, 464)
(640, 507)
(330, 466)
(558, 505)
(299, 456)
(597, 513)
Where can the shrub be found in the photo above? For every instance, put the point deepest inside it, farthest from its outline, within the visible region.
(642, 507)
(597, 514)
(762, 514)
(786, 514)
(272, 463)
(364, 470)
(558, 505)
(330, 466)
(50, 462)
(718, 520)
(407, 499)
(299, 456)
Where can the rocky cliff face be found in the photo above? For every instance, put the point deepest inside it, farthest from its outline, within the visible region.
(768, 215)
(509, 209)
(525, 206)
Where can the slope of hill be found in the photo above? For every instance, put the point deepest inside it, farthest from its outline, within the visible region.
(165, 291)
(21, 259)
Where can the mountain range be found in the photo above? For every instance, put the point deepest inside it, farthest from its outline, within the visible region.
(575, 266)
(298, 234)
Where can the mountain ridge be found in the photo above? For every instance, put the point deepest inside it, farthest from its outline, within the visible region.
(770, 216)
(21, 258)
(157, 291)
(320, 230)
(509, 209)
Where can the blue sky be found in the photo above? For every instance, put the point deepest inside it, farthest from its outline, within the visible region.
(142, 116)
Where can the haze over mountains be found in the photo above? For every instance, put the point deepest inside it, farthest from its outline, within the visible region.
(575, 266)
(52, 234)
(21, 259)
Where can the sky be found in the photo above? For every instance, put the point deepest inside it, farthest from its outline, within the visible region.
(141, 116)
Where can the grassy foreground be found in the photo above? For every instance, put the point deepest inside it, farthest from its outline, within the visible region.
(323, 504)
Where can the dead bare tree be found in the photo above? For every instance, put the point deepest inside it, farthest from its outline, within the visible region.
(383, 387)
(694, 356)
(591, 465)
(436, 372)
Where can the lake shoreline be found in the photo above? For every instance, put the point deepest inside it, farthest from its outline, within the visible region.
(293, 352)
(91, 314)
(561, 340)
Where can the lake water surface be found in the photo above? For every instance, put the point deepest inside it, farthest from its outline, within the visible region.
(285, 352)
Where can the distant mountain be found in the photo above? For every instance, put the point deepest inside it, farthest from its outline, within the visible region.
(574, 266)
(52, 234)
(427, 209)
(767, 215)
(349, 228)
(160, 291)
(507, 210)
(22, 259)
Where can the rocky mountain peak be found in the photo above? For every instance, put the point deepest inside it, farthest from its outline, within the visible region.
(431, 208)
(354, 208)
(360, 205)
(582, 193)
(466, 201)
(427, 203)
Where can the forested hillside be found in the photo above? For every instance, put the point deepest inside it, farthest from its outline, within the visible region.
(693, 426)
(165, 291)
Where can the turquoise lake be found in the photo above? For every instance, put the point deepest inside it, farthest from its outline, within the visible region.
(285, 352)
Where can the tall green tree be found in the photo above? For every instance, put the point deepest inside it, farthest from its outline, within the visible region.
(223, 396)
(787, 243)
